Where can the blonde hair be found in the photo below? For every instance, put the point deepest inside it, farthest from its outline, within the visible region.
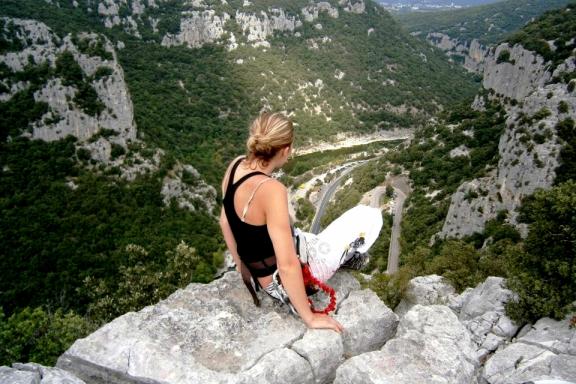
(269, 133)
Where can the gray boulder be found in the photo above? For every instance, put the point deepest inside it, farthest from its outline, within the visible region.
(368, 322)
(431, 346)
(483, 314)
(213, 333)
(425, 290)
(546, 352)
(32, 373)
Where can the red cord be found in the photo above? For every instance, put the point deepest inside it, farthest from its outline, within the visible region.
(310, 280)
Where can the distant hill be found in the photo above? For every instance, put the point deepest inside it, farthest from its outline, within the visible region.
(487, 23)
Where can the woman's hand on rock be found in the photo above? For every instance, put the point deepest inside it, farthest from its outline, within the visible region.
(321, 321)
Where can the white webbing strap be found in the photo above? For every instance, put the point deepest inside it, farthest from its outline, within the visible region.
(251, 197)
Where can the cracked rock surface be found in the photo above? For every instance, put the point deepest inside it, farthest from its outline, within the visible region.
(431, 346)
(547, 351)
(32, 373)
(213, 333)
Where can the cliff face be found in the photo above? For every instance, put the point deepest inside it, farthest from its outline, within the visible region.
(102, 75)
(202, 23)
(214, 334)
(470, 54)
(529, 147)
(103, 122)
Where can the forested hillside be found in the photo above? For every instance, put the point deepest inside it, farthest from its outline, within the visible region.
(493, 183)
(487, 23)
(465, 34)
(117, 119)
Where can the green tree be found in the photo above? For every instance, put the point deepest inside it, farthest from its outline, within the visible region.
(38, 335)
(544, 274)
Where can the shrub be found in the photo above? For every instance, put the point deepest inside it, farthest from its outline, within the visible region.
(503, 57)
(544, 273)
(117, 151)
(38, 335)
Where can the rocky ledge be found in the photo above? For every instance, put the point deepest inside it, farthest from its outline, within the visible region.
(214, 334)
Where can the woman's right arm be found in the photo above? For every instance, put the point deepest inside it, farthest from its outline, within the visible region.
(229, 238)
(278, 223)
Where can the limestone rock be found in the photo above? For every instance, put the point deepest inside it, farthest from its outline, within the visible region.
(313, 347)
(365, 330)
(425, 290)
(343, 284)
(213, 333)
(311, 12)
(32, 373)
(257, 28)
(197, 29)
(353, 6)
(184, 184)
(528, 148)
(431, 346)
(546, 352)
(472, 52)
(64, 118)
(460, 151)
(518, 76)
(483, 314)
(279, 366)
(474, 60)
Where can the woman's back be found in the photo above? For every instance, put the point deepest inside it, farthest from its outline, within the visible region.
(244, 196)
(253, 186)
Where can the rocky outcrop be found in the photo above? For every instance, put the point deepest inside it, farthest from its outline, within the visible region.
(470, 53)
(425, 290)
(197, 29)
(257, 28)
(482, 312)
(32, 373)
(514, 72)
(311, 12)
(214, 334)
(353, 6)
(203, 23)
(546, 352)
(102, 74)
(528, 149)
(107, 134)
(474, 60)
(431, 346)
(185, 185)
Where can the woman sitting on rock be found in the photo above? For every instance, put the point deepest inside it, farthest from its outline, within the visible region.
(256, 226)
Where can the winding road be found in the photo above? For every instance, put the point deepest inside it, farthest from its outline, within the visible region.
(327, 192)
(402, 190)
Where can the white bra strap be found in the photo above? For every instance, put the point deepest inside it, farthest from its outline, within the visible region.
(251, 197)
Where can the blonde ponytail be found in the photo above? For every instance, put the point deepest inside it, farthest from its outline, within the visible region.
(269, 133)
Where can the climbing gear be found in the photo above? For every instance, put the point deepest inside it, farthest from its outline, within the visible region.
(352, 258)
(277, 291)
(311, 283)
(357, 261)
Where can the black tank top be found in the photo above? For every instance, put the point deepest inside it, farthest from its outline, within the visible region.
(253, 242)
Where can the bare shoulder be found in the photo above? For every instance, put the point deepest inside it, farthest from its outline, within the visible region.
(276, 194)
(276, 187)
